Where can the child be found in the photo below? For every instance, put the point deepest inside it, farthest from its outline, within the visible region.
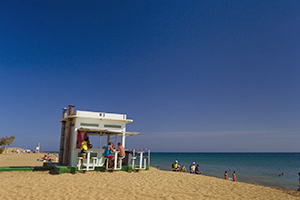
(183, 169)
(226, 175)
(234, 176)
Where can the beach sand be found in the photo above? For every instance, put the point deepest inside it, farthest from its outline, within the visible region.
(152, 184)
(30, 159)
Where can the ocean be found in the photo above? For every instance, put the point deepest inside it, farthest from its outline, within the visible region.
(256, 168)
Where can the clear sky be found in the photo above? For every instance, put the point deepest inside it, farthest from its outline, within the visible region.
(195, 76)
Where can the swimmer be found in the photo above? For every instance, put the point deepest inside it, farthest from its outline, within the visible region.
(299, 181)
(234, 176)
(226, 175)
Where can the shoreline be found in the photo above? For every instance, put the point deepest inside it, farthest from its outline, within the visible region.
(256, 168)
(285, 190)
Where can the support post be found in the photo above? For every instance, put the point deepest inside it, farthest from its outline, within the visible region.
(62, 137)
(108, 138)
(123, 140)
(133, 158)
(141, 159)
(100, 136)
(66, 159)
(116, 160)
(149, 157)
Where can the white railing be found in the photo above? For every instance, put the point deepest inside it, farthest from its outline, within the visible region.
(96, 160)
(141, 156)
(87, 165)
(115, 162)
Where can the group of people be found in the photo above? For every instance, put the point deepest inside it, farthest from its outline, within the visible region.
(194, 169)
(108, 153)
(233, 175)
(85, 145)
(17, 151)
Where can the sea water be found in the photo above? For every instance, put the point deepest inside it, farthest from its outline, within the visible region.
(256, 168)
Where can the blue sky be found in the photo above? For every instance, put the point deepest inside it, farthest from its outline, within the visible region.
(200, 76)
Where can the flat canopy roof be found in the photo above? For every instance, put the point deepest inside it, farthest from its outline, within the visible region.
(94, 131)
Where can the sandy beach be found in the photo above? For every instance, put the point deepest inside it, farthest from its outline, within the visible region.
(152, 184)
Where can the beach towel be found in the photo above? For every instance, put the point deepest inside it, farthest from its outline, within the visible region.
(80, 138)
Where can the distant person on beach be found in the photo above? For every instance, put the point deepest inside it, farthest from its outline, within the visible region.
(299, 181)
(107, 153)
(44, 159)
(192, 168)
(178, 168)
(183, 169)
(158, 167)
(197, 171)
(234, 176)
(121, 154)
(174, 166)
(84, 147)
(226, 175)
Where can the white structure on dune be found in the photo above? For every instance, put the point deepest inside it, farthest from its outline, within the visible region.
(37, 148)
(80, 124)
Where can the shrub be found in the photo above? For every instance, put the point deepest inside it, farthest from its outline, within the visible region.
(6, 141)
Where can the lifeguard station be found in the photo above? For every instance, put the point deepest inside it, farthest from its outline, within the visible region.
(37, 148)
(108, 127)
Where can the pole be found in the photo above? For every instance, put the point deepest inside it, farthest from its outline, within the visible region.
(149, 157)
(100, 136)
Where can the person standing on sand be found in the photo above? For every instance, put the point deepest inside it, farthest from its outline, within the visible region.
(234, 176)
(226, 175)
(121, 154)
(107, 153)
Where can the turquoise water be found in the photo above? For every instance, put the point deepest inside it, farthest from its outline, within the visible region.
(256, 168)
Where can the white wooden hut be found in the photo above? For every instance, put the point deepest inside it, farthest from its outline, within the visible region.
(79, 124)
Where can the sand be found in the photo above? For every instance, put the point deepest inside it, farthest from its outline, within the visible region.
(152, 184)
(30, 159)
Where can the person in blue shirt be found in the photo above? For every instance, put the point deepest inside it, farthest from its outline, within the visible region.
(197, 171)
(107, 153)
